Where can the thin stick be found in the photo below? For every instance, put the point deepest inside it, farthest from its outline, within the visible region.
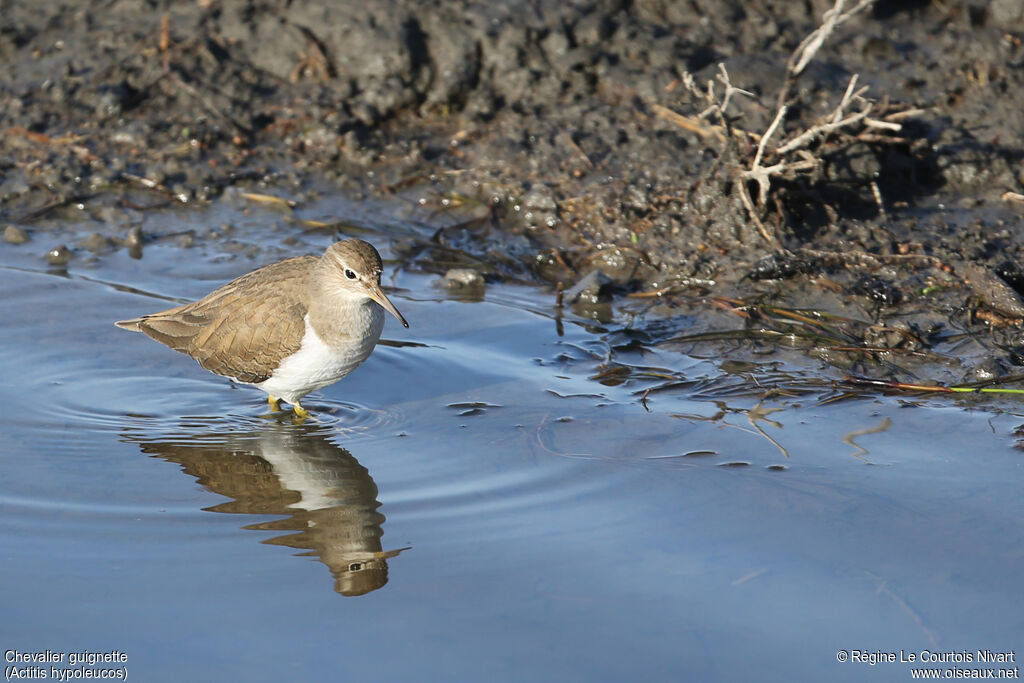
(767, 135)
(810, 45)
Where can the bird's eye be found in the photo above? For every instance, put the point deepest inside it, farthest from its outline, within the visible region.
(351, 274)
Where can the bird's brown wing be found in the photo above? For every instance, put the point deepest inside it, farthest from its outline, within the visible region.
(243, 329)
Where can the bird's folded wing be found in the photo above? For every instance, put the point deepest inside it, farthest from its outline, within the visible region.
(244, 329)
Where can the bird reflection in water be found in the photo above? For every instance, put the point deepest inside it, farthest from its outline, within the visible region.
(292, 469)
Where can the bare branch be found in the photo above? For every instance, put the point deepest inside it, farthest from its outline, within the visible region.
(767, 135)
(884, 125)
(800, 155)
(730, 89)
(839, 119)
(763, 175)
(761, 227)
(805, 52)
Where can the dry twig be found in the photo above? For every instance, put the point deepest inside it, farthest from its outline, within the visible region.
(799, 153)
(810, 45)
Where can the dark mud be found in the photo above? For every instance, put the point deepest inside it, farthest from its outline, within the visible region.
(569, 139)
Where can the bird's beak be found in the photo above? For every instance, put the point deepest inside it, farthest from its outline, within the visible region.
(377, 294)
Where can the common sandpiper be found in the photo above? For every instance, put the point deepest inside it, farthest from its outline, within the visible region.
(289, 328)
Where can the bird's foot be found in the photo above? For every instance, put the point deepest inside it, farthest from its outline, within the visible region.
(274, 402)
(300, 412)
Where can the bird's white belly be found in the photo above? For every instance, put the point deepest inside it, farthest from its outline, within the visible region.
(316, 364)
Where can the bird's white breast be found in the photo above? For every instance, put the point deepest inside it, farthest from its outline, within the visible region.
(317, 364)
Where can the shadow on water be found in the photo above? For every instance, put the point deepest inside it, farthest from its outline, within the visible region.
(328, 499)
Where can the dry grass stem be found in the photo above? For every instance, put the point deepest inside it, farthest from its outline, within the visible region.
(688, 123)
(877, 193)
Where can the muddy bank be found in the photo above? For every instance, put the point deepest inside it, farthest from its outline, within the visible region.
(581, 139)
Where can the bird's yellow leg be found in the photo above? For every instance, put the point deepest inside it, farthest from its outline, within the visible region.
(273, 401)
(300, 412)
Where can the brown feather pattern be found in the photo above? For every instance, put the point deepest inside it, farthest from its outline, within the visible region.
(244, 329)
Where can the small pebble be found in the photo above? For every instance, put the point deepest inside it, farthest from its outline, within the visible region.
(617, 265)
(15, 235)
(593, 288)
(463, 278)
(540, 198)
(58, 256)
(96, 243)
